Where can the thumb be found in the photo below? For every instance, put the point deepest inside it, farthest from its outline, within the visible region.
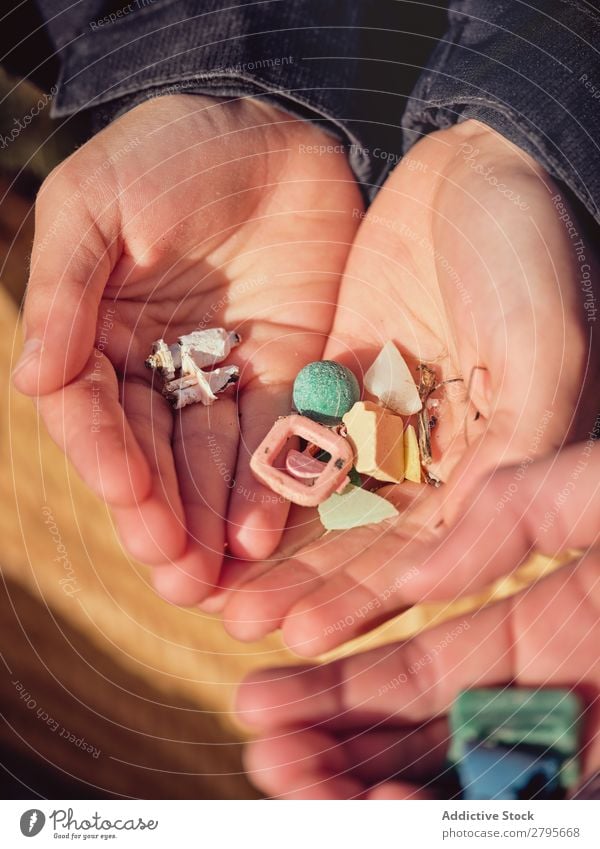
(70, 264)
(550, 507)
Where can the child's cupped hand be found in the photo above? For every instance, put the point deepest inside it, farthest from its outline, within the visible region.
(479, 278)
(184, 212)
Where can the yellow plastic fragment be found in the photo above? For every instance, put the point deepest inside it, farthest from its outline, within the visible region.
(412, 457)
(377, 438)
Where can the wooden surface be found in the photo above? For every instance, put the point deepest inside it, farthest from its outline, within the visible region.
(84, 637)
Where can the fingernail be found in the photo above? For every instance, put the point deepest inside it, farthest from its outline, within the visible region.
(30, 353)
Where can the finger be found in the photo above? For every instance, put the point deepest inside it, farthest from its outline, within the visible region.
(494, 535)
(303, 527)
(329, 592)
(549, 507)
(544, 636)
(382, 573)
(310, 762)
(260, 603)
(153, 531)
(381, 753)
(322, 787)
(401, 790)
(319, 764)
(204, 448)
(257, 516)
(233, 573)
(409, 682)
(258, 606)
(70, 263)
(86, 420)
(556, 626)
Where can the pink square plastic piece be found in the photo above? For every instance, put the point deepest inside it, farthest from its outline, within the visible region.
(334, 476)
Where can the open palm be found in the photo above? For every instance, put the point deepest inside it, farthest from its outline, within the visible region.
(185, 212)
(478, 279)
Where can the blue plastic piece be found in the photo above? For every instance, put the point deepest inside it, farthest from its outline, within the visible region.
(496, 772)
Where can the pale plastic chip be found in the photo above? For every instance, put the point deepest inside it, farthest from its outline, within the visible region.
(412, 455)
(353, 508)
(390, 381)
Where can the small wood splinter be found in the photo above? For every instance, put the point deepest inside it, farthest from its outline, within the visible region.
(427, 386)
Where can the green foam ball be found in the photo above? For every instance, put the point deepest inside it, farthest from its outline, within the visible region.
(324, 391)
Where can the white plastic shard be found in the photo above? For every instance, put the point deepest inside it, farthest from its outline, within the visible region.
(203, 386)
(353, 508)
(207, 347)
(188, 358)
(220, 378)
(191, 389)
(166, 359)
(389, 379)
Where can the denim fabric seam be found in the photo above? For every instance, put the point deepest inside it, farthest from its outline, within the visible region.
(73, 51)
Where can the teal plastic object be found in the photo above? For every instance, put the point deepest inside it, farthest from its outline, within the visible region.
(324, 391)
(510, 743)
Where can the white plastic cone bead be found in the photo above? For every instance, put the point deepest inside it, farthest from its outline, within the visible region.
(389, 379)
